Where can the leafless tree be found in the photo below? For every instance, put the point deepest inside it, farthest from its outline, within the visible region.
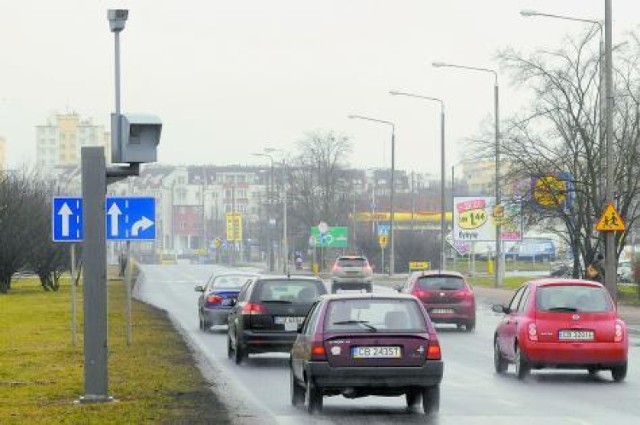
(561, 134)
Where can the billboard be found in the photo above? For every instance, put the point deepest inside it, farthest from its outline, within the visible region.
(475, 219)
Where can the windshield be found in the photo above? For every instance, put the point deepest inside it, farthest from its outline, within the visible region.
(365, 315)
(573, 298)
(289, 291)
(230, 281)
(440, 282)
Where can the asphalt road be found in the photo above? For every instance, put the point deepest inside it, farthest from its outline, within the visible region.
(471, 392)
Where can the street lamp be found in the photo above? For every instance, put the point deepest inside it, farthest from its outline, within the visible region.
(393, 186)
(496, 97)
(443, 257)
(270, 198)
(285, 242)
(606, 133)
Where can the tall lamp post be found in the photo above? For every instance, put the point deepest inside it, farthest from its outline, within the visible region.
(393, 186)
(443, 257)
(496, 100)
(285, 239)
(270, 198)
(606, 131)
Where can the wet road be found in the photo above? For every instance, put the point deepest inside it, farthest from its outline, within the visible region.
(471, 392)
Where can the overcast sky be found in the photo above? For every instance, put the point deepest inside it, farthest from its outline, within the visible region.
(229, 78)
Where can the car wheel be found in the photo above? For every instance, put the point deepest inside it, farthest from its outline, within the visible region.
(313, 397)
(523, 368)
(412, 397)
(369, 288)
(499, 362)
(229, 348)
(239, 354)
(297, 391)
(470, 325)
(618, 373)
(431, 399)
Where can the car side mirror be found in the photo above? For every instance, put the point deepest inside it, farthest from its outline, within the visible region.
(398, 288)
(299, 329)
(499, 308)
(199, 288)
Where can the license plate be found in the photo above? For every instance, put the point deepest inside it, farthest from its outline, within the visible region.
(290, 322)
(376, 352)
(575, 335)
(442, 311)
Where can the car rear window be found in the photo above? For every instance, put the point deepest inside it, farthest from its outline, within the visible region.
(440, 282)
(573, 298)
(293, 291)
(366, 315)
(230, 282)
(352, 262)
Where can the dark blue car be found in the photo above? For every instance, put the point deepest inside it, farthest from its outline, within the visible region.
(216, 297)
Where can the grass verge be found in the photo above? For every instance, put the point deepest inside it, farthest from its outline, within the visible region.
(154, 380)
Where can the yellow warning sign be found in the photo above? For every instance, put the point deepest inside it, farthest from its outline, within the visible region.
(383, 240)
(610, 221)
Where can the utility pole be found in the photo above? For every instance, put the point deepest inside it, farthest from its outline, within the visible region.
(610, 274)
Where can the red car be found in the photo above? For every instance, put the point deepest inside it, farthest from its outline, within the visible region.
(561, 323)
(446, 295)
(357, 345)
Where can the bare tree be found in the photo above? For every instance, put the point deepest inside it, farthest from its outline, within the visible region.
(561, 134)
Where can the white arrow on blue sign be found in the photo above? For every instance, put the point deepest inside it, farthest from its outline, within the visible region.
(126, 219)
(67, 219)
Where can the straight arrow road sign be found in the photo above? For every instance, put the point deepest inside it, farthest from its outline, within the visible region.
(131, 218)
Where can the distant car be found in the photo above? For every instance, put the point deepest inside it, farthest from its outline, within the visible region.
(625, 271)
(358, 345)
(351, 272)
(446, 295)
(214, 302)
(267, 314)
(561, 323)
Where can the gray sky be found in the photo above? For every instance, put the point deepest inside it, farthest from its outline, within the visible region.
(231, 77)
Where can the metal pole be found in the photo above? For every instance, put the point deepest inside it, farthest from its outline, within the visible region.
(443, 257)
(269, 226)
(284, 220)
(610, 252)
(117, 88)
(392, 206)
(127, 283)
(498, 265)
(94, 187)
(74, 296)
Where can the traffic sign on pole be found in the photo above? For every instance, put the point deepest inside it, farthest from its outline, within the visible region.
(66, 219)
(127, 219)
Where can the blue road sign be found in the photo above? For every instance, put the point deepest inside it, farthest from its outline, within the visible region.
(383, 229)
(131, 219)
(66, 219)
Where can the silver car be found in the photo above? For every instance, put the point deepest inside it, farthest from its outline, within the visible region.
(351, 272)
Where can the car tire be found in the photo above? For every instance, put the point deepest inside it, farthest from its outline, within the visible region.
(229, 348)
(431, 400)
(239, 354)
(413, 398)
(499, 362)
(369, 288)
(334, 288)
(470, 325)
(618, 373)
(523, 368)
(297, 391)
(313, 397)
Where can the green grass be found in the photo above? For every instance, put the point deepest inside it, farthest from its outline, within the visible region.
(154, 380)
(511, 282)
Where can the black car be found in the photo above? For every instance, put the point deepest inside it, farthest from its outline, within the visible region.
(267, 313)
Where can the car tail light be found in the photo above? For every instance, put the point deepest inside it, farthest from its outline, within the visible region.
(463, 295)
(214, 299)
(433, 350)
(335, 268)
(318, 352)
(619, 332)
(532, 331)
(420, 293)
(253, 308)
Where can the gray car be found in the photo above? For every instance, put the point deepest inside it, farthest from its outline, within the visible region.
(351, 272)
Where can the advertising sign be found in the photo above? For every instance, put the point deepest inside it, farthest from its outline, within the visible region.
(234, 227)
(475, 219)
(554, 190)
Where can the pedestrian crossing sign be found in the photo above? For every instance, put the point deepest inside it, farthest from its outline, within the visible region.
(610, 221)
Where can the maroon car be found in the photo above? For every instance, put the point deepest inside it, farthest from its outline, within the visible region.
(357, 345)
(446, 295)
